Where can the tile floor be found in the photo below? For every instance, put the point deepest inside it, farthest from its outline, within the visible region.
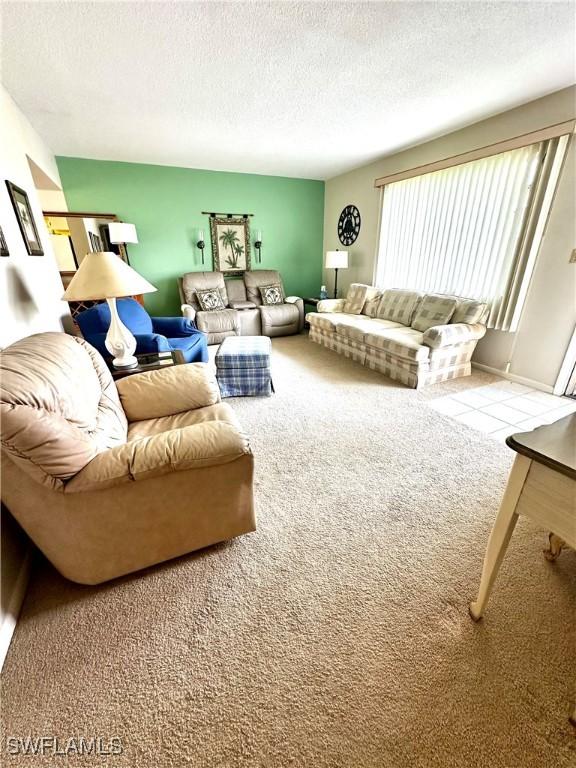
(505, 407)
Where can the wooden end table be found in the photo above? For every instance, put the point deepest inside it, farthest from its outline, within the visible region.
(542, 486)
(313, 302)
(153, 361)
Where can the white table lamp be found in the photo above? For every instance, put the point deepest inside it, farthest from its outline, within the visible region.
(122, 232)
(336, 260)
(103, 275)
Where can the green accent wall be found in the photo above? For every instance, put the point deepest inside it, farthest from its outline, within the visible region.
(165, 204)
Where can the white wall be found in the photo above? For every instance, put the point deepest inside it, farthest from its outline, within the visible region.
(30, 286)
(30, 291)
(549, 315)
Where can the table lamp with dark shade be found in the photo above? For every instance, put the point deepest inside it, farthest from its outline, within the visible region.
(104, 275)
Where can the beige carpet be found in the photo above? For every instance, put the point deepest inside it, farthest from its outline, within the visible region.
(338, 634)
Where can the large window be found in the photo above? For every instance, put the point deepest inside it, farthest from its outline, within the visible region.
(468, 230)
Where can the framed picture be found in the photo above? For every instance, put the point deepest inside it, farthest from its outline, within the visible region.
(230, 244)
(95, 242)
(26, 222)
(3, 245)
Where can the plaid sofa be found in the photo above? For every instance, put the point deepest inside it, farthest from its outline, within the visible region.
(412, 337)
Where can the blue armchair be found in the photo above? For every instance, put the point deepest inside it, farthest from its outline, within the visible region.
(153, 334)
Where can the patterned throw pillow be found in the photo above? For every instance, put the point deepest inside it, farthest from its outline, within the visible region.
(355, 298)
(470, 312)
(372, 301)
(433, 310)
(271, 294)
(210, 300)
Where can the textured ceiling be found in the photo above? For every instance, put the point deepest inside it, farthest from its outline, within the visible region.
(306, 89)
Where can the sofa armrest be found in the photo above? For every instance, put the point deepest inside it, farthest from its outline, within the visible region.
(455, 333)
(151, 342)
(242, 305)
(331, 305)
(299, 303)
(200, 445)
(164, 392)
(188, 312)
(174, 327)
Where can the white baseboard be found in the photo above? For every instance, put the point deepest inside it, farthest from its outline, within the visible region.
(512, 377)
(16, 600)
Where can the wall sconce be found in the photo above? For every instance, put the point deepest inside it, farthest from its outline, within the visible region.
(201, 244)
(258, 245)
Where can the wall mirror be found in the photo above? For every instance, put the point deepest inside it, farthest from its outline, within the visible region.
(73, 235)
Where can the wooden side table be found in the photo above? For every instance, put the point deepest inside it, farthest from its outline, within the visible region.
(542, 486)
(154, 361)
(313, 302)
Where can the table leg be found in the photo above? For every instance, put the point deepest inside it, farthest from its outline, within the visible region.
(500, 534)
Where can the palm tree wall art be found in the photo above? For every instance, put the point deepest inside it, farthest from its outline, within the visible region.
(230, 244)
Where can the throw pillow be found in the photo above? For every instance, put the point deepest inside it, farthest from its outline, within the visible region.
(210, 300)
(433, 310)
(355, 298)
(373, 297)
(271, 294)
(469, 311)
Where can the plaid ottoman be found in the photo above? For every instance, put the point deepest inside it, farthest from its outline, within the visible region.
(243, 366)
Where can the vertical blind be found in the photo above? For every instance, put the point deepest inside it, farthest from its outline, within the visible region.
(461, 230)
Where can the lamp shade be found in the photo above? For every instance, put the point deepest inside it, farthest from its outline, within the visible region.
(121, 232)
(104, 275)
(336, 259)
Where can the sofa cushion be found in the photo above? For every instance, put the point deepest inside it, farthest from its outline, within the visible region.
(218, 321)
(372, 302)
(434, 309)
(255, 278)
(357, 326)
(278, 315)
(202, 281)
(326, 321)
(398, 306)
(403, 342)
(470, 312)
(148, 427)
(355, 298)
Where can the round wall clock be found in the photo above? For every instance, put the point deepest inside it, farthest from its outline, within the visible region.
(349, 225)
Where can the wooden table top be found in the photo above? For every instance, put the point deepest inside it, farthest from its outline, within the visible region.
(551, 444)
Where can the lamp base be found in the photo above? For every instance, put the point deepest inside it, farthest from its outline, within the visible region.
(119, 341)
(125, 362)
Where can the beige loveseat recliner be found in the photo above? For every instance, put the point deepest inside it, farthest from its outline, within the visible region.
(244, 314)
(109, 479)
(413, 337)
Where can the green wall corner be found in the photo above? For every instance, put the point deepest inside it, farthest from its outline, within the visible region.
(165, 204)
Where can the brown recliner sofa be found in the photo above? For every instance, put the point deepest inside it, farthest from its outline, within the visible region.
(244, 313)
(107, 479)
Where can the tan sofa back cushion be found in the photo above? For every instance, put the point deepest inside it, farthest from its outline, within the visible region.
(203, 281)
(235, 289)
(258, 278)
(398, 305)
(59, 406)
